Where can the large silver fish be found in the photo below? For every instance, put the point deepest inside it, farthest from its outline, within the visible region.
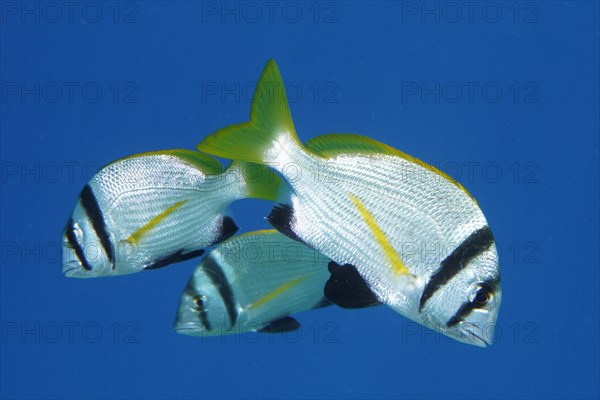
(252, 282)
(149, 210)
(417, 237)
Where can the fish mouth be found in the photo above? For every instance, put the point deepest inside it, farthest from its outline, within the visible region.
(71, 270)
(473, 334)
(188, 328)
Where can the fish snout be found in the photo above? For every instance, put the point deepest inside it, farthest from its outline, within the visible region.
(478, 328)
(188, 328)
(71, 267)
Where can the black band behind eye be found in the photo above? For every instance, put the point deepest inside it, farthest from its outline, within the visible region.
(466, 308)
(474, 245)
(76, 246)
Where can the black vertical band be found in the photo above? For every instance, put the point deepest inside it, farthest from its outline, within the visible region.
(477, 242)
(92, 209)
(75, 245)
(190, 291)
(217, 277)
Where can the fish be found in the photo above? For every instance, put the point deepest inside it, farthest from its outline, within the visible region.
(252, 282)
(150, 210)
(417, 237)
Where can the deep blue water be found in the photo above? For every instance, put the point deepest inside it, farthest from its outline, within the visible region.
(503, 96)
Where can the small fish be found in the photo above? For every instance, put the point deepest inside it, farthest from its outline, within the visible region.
(252, 282)
(416, 236)
(153, 209)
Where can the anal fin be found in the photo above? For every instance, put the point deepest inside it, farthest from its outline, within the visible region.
(176, 257)
(281, 218)
(347, 288)
(325, 302)
(191, 254)
(282, 325)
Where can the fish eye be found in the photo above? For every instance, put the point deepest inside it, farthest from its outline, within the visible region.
(482, 295)
(72, 234)
(199, 302)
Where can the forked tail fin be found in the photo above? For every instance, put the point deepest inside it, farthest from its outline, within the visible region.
(269, 119)
(260, 181)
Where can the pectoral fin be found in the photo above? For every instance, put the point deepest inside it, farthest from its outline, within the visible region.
(348, 289)
(282, 219)
(282, 325)
(227, 229)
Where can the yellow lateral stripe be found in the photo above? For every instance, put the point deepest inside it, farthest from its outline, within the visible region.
(391, 254)
(277, 292)
(135, 236)
(258, 232)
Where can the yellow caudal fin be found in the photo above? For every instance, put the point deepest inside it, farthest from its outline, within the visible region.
(261, 181)
(270, 119)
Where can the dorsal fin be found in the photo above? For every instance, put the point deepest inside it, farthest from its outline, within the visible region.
(335, 144)
(203, 162)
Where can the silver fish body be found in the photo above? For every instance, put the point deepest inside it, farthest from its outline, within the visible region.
(417, 237)
(153, 209)
(252, 282)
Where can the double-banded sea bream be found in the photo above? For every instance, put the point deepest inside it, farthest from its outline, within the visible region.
(416, 236)
(150, 210)
(252, 282)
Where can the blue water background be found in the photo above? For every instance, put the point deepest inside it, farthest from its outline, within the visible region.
(524, 142)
